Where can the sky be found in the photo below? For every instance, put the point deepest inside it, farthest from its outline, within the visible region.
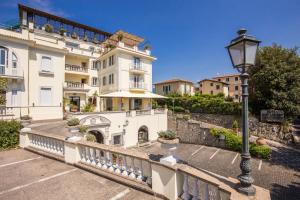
(187, 36)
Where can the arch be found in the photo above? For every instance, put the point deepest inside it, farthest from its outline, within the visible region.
(98, 135)
(143, 134)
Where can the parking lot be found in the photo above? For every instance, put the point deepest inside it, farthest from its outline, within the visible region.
(25, 175)
(281, 174)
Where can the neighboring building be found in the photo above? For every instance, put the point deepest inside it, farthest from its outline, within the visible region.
(174, 86)
(235, 88)
(210, 86)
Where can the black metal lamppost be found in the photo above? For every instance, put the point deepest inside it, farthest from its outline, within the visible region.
(242, 51)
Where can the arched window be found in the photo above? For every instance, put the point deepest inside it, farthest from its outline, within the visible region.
(3, 59)
(14, 60)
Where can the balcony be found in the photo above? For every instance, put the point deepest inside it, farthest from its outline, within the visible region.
(12, 73)
(76, 86)
(137, 86)
(76, 69)
(137, 68)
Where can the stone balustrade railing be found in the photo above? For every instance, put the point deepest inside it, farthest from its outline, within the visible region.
(172, 182)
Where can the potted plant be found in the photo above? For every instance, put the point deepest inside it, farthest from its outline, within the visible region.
(74, 108)
(62, 31)
(48, 28)
(85, 38)
(120, 37)
(147, 47)
(235, 126)
(167, 137)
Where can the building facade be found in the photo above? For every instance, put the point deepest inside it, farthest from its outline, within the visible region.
(174, 86)
(235, 88)
(213, 87)
(53, 65)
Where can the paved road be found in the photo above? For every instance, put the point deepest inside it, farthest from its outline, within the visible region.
(25, 175)
(281, 175)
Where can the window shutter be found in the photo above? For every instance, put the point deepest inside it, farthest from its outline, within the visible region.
(45, 96)
(46, 64)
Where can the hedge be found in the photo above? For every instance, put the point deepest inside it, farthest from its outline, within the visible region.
(9, 134)
(234, 142)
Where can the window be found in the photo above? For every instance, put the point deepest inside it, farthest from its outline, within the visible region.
(45, 96)
(111, 60)
(3, 60)
(14, 60)
(219, 79)
(94, 81)
(96, 65)
(211, 84)
(104, 80)
(236, 78)
(137, 62)
(46, 64)
(211, 92)
(111, 79)
(236, 88)
(217, 87)
(14, 97)
(117, 140)
(104, 64)
(167, 88)
(227, 79)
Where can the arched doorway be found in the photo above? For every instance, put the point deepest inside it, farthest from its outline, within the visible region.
(143, 134)
(98, 135)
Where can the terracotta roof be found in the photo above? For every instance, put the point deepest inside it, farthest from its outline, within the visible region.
(174, 80)
(226, 75)
(212, 80)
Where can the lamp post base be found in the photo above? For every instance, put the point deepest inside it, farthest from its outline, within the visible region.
(247, 190)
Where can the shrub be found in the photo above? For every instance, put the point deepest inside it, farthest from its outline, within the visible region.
(88, 108)
(179, 109)
(169, 135)
(91, 138)
(235, 124)
(234, 142)
(73, 122)
(83, 129)
(9, 134)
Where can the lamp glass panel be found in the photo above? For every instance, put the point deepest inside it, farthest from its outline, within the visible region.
(237, 53)
(251, 48)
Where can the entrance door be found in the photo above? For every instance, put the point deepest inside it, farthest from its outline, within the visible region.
(75, 104)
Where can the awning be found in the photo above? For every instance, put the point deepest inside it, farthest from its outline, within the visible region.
(127, 94)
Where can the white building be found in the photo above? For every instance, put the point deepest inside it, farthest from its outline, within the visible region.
(54, 66)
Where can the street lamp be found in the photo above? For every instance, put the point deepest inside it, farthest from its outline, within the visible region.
(242, 51)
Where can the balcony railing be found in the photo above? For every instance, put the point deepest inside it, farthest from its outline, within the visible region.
(137, 67)
(137, 85)
(143, 112)
(76, 68)
(11, 72)
(76, 86)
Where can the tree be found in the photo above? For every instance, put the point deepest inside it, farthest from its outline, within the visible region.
(3, 86)
(275, 81)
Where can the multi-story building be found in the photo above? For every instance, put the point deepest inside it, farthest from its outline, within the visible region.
(211, 86)
(49, 61)
(235, 88)
(174, 86)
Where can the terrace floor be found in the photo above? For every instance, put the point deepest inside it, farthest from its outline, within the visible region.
(26, 175)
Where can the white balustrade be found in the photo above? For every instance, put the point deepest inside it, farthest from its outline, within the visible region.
(50, 145)
(124, 165)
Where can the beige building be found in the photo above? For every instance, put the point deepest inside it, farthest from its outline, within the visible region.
(49, 61)
(210, 86)
(235, 88)
(174, 86)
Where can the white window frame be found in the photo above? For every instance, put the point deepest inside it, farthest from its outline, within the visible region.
(3, 66)
(48, 69)
(95, 81)
(51, 98)
(14, 60)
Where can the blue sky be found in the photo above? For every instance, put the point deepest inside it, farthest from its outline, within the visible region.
(187, 36)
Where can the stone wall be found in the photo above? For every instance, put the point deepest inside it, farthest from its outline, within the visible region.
(194, 128)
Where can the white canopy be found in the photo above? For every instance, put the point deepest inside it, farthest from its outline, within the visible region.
(127, 94)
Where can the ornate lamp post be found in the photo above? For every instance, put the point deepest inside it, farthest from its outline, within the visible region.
(242, 51)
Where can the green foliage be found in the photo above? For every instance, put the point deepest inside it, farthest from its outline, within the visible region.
(9, 134)
(262, 151)
(234, 142)
(3, 87)
(48, 28)
(91, 138)
(83, 129)
(235, 124)
(88, 108)
(214, 104)
(73, 122)
(169, 135)
(275, 81)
